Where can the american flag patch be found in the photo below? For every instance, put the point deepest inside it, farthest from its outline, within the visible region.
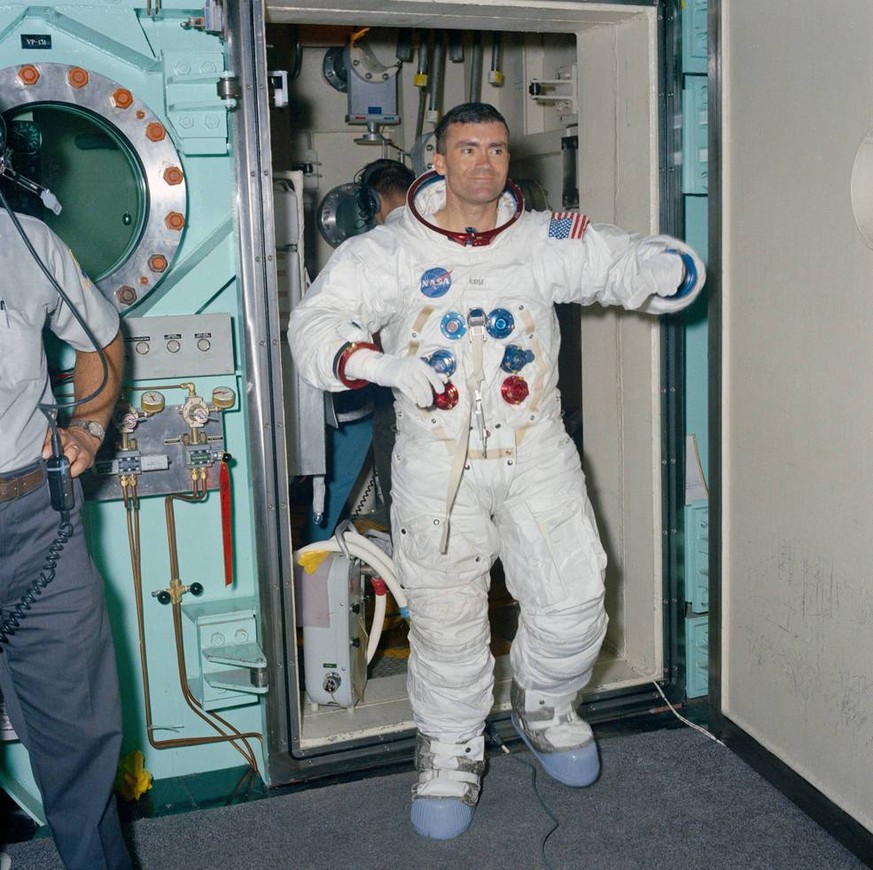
(567, 225)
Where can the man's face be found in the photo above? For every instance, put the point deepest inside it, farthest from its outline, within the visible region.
(476, 162)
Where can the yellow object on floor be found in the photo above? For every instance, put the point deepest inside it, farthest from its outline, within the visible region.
(132, 779)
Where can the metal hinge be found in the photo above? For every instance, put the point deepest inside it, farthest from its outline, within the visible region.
(228, 88)
(212, 20)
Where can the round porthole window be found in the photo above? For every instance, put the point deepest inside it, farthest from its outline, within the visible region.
(80, 159)
(111, 164)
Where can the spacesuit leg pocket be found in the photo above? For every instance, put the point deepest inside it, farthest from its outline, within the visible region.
(557, 560)
(417, 544)
(450, 676)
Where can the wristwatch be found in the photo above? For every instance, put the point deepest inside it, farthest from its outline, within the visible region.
(92, 427)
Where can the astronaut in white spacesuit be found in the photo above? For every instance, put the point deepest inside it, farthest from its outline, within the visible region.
(461, 290)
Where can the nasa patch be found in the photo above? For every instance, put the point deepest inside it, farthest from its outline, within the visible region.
(436, 282)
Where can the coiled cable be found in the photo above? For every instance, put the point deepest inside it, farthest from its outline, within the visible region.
(12, 621)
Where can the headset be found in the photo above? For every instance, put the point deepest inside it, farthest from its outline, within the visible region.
(385, 173)
(49, 200)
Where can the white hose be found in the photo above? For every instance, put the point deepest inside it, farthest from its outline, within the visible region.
(370, 554)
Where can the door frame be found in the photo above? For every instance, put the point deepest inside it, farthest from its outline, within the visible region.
(246, 34)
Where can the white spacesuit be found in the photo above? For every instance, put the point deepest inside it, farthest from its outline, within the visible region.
(489, 471)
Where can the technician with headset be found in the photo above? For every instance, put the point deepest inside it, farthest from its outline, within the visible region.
(57, 664)
(383, 185)
(365, 418)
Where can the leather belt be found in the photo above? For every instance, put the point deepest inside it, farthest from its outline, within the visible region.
(13, 487)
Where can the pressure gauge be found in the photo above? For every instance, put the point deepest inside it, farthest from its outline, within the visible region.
(194, 412)
(127, 422)
(153, 402)
(223, 398)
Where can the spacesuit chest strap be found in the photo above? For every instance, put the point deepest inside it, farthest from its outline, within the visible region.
(417, 327)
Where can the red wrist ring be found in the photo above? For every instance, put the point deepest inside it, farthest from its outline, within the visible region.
(343, 357)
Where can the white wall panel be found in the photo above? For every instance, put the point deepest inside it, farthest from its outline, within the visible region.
(797, 408)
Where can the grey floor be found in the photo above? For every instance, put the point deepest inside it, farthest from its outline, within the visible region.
(668, 798)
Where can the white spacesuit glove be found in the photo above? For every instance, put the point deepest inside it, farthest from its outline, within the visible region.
(674, 296)
(410, 375)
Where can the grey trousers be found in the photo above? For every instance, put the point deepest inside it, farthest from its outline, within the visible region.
(59, 680)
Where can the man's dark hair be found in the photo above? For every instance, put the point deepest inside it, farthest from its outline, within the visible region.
(387, 176)
(380, 178)
(466, 113)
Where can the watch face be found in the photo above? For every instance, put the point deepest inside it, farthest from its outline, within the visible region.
(91, 427)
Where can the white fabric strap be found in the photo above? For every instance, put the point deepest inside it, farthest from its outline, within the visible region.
(465, 776)
(445, 752)
(474, 396)
(534, 701)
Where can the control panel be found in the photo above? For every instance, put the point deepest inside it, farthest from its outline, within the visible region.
(165, 347)
(161, 448)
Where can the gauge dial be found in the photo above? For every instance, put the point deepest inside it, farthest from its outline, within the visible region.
(223, 398)
(194, 412)
(153, 402)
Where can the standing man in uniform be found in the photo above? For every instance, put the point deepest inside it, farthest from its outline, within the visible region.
(384, 185)
(365, 418)
(58, 671)
(462, 290)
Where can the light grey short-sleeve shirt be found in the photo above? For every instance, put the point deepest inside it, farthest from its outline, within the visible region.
(28, 303)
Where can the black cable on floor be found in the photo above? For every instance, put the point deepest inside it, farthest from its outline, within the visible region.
(496, 739)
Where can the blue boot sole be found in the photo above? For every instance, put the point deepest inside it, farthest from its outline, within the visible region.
(441, 818)
(576, 767)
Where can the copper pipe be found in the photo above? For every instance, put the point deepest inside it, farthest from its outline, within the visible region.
(192, 702)
(133, 533)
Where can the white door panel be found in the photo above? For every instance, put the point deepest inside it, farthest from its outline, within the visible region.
(797, 391)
